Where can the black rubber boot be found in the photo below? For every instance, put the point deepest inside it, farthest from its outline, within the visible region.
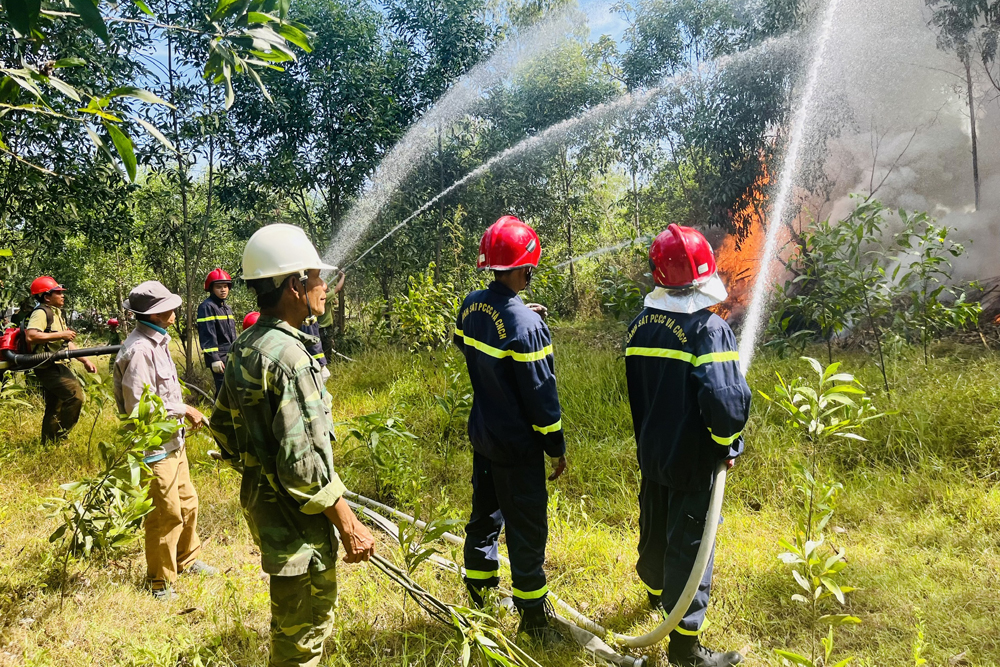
(655, 603)
(687, 651)
(535, 623)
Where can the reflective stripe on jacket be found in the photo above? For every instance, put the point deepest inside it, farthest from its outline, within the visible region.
(508, 351)
(216, 329)
(689, 399)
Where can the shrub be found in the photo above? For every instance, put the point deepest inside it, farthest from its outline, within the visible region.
(427, 312)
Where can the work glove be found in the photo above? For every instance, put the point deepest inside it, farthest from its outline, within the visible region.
(218, 367)
(325, 373)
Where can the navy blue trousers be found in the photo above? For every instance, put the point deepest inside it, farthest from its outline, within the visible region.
(515, 496)
(671, 523)
(218, 377)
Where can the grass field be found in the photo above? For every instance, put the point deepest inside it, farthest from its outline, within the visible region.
(919, 517)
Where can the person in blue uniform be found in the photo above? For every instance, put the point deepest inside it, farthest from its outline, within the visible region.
(315, 350)
(216, 324)
(514, 424)
(689, 404)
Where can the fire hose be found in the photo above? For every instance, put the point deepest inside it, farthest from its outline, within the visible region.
(23, 362)
(586, 639)
(576, 618)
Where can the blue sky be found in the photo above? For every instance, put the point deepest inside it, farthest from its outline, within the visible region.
(603, 20)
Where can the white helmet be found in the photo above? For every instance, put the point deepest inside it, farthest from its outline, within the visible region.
(279, 250)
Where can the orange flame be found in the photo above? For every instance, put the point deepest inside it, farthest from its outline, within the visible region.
(738, 258)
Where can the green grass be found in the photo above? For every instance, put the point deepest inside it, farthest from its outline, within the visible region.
(919, 516)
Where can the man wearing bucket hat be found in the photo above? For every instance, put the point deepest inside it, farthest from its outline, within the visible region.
(689, 403)
(273, 414)
(172, 543)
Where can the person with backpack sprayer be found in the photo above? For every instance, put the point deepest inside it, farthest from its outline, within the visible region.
(45, 330)
(216, 324)
(689, 404)
(272, 419)
(515, 421)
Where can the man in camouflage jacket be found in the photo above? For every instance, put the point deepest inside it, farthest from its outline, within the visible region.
(273, 414)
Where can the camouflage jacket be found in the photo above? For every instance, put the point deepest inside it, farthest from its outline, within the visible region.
(273, 414)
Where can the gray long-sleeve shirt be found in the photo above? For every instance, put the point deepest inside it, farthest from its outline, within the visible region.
(145, 360)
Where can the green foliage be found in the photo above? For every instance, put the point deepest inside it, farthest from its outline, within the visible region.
(386, 445)
(456, 402)
(417, 545)
(427, 312)
(483, 637)
(853, 276)
(99, 391)
(833, 405)
(103, 513)
(620, 295)
(932, 306)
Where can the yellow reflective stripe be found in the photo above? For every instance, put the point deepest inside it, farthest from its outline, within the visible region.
(689, 633)
(215, 317)
(530, 595)
(661, 352)
(531, 356)
(210, 349)
(459, 333)
(717, 357)
(548, 429)
(654, 591)
(497, 353)
(725, 441)
(481, 574)
(665, 353)
(318, 356)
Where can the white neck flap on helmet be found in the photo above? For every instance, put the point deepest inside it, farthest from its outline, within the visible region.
(688, 300)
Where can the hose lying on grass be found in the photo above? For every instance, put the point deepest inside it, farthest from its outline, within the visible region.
(589, 641)
(671, 620)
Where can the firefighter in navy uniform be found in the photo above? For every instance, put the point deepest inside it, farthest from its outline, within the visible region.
(514, 423)
(216, 324)
(689, 403)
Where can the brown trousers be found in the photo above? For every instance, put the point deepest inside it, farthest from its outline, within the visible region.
(63, 400)
(172, 527)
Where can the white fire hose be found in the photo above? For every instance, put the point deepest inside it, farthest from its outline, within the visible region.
(680, 608)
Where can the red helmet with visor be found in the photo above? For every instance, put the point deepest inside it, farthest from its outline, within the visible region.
(217, 276)
(508, 244)
(681, 257)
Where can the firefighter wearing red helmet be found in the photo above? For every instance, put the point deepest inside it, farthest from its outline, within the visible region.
(45, 330)
(689, 403)
(514, 423)
(216, 324)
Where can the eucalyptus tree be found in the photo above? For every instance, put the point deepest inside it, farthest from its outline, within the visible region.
(965, 28)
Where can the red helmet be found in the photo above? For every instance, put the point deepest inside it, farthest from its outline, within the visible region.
(113, 322)
(250, 319)
(45, 284)
(508, 244)
(217, 276)
(681, 257)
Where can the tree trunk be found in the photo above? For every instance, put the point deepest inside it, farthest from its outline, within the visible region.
(440, 228)
(341, 310)
(972, 124)
(635, 202)
(567, 211)
(182, 180)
